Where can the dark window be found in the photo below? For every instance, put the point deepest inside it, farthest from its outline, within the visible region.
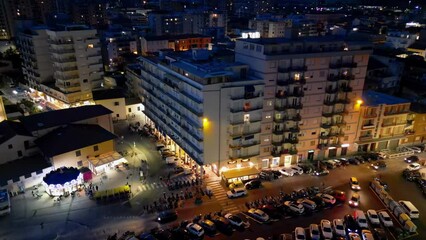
(80, 163)
(27, 144)
(78, 153)
(118, 115)
(130, 109)
(95, 148)
(19, 153)
(139, 108)
(85, 80)
(116, 103)
(10, 146)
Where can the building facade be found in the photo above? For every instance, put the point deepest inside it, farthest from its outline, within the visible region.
(63, 64)
(312, 95)
(272, 27)
(150, 44)
(208, 110)
(385, 122)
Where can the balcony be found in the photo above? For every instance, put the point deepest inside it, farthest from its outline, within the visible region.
(335, 78)
(329, 102)
(279, 120)
(277, 143)
(343, 101)
(290, 151)
(345, 89)
(296, 94)
(368, 126)
(244, 132)
(339, 124)
(251, 109)
(292, 129)
(244, 155)
(62, 50)
(280, 108)
(65, 69)
(276, 153)
(64, 60)
(324, 146)
(60, 42)
(343, 65)
(370, 115)
(292, 69)
(286, 82)
(291, 140)
(390, 113)
(295, 106)
(278, 131)
(280, 95)
(326, 125)
(327, 114)
(245, 96)
(331, 90)
(365, 138)
(409, 132)
(240, 122)
(243, 145)
(392, 124)
(295, 118)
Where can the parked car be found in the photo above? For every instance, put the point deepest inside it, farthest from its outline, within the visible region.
(306, 168)
(339, 195)
(367, 235)
(373, 217)
(354, 236)
(350, 224)
(299, 233)
(318, 201)
(379, 234)
(415, 149)
(382, 183)
(237, 183)
(411, 159)
(297, 170)
(330, 164)
(253, 184)
(258, 214)
(344, 161)
(314, 232)
(327, 198)
(385, 219)
(236, 192)
(353, 181)
(272, 211)
(339, 227)
(161, 234)
(167, 216)
(287, 172)
(308, 204)
(222, 224)
(295, 207)
(320, 172)
(411, 175)
(379, 165)
(195, 229)
(354, 161)
(208, 225)
(234, 220)
(413, 166)
(354, 201)
(326, 230)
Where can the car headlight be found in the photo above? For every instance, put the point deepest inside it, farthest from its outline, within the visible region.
(356, 204)
(350, 202)
(159, 219)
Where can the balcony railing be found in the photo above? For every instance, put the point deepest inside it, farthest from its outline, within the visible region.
(245, 96)
(370, 115)
(343, 101)
(286, 82)
(244, 145)
(396, 112)
(292, 129)
(292, 69)
(251, 109)
(331, 90)
(244, 156)
(291, 140)
(278, 131)
(343, 65)
(335, 78)
(345, 89)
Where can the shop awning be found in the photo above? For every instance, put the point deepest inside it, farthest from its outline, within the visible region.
(240, 172)
(105, 158)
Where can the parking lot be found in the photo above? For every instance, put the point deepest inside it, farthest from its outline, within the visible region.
(338, 178)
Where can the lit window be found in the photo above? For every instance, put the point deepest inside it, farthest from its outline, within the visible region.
(89, 45)
(297, 76)
(246, 118)
(268, 116)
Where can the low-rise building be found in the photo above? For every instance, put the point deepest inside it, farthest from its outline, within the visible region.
(114, 100)
(385, 122)
(150, 44)
(15, 141)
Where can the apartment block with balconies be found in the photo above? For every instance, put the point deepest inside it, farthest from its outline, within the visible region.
(385, 122)
(313, 88)
(207, 110)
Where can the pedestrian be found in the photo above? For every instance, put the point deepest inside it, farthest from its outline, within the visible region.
(32, 192)
(96, 186)
(42, 225)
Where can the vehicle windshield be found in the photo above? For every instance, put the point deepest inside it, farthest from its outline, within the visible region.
(315, 232)
(339, 227)
(327, 229)
(300, 236)
(355, 182)
(236, 219)
(387, 218)
(373, 216)
(362, 220)
(354, 199)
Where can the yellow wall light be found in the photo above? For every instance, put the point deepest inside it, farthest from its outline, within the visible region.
(359, 102)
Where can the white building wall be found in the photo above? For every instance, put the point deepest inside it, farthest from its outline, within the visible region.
(9, 154)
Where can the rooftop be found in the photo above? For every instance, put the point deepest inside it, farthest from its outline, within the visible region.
(107, 94)
(174, 37)
(418, 45)
(61, 117)
(132, 101)
(9, 129)
(72, 137)
(375, 64)
(372, 98)
(21, 167)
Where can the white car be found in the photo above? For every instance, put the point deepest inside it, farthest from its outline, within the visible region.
(298, 170)
(373, 217)
(385, 219)
(314, 232)
(415, 149)
(327, 198)
(287, 172)
(339, 227)
(299, 233)
(327, 232)
(258, 214)
(367, 235)
(295, 207)
(195, 229)
(413, 166)
(236, 192)
(234, 220)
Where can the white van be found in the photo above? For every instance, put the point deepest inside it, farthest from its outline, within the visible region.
(410, 209)
(171, 160)
(360, 218)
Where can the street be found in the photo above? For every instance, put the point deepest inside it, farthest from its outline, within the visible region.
(83, 218)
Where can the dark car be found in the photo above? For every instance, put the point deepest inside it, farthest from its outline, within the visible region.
(379, 165)
(146, 236)
(167, 216)
(420, 182)
(180, 233)
(344, 161)
(350, 224)
(411, 175)
(354, 161)
(253, 184)
(320, 172)
(379, 234)
(272, 211)
(411, 159)
(371, 156)
(306, 168)
(208, 226)
(277, 174)
(222, 224)
(161, 234)
(318, 201)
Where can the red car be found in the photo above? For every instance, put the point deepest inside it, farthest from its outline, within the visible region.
(339, 196)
